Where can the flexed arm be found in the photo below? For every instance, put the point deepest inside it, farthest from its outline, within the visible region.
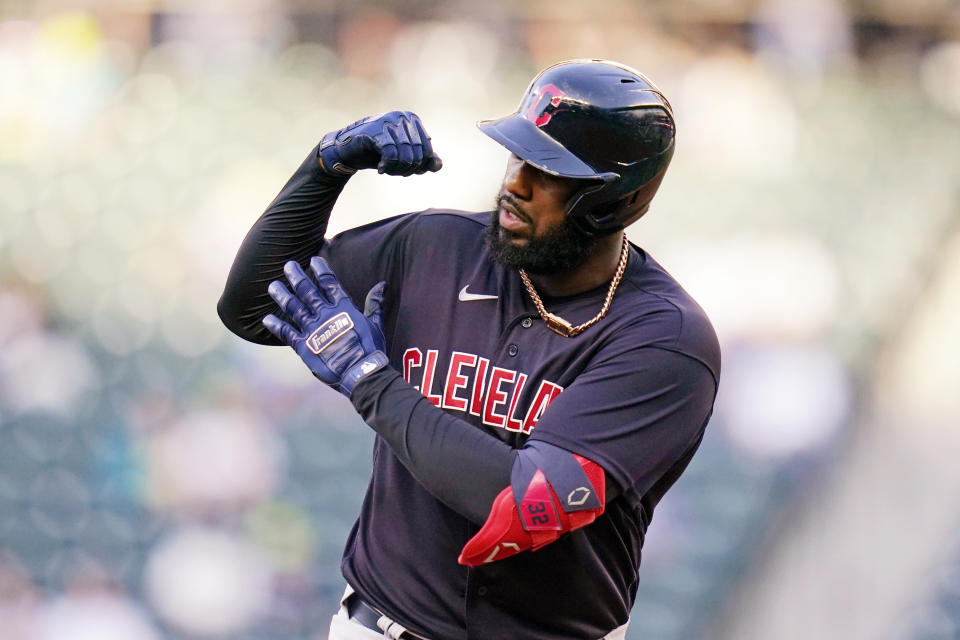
(295, 223)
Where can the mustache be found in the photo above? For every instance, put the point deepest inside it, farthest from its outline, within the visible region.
(506, 199)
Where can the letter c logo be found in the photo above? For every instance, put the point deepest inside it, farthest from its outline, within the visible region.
(544, 104)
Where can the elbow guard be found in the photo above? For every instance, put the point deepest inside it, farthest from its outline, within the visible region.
(551, 491)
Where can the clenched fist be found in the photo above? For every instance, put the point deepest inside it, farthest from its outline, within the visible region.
(395, 143)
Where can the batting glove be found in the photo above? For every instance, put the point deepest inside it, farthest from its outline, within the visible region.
(339, 344)
(395, 143)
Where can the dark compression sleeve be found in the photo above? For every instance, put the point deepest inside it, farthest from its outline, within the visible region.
(291, 228)
(459, 464)
(641, 423)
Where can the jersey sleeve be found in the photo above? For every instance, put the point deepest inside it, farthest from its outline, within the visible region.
(637, 412)
(363, 256)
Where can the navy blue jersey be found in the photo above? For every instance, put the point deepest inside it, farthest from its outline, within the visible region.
(633, 393)
(465, 333)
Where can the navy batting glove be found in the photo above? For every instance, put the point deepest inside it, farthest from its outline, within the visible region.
(395, 143)
(339, 344)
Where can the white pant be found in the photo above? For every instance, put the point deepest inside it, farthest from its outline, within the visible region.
(343, 628)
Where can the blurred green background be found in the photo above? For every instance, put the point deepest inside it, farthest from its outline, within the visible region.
(160, 478)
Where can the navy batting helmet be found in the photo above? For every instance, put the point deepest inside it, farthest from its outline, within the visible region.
(599, 121)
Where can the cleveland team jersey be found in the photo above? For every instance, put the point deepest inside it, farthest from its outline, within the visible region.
(633, 393)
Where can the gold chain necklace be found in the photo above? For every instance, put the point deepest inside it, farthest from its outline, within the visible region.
(557, 324)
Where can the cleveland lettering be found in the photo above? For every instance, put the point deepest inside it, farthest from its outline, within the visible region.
(473, 386)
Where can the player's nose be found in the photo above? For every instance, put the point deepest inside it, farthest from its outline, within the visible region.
(517, 178)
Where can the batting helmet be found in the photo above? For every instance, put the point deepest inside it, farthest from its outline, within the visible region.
(599, 121)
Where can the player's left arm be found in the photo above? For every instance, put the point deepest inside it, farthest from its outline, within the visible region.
(613, 430)
(634, 418)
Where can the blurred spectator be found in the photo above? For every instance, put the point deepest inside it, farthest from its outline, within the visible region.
(212, 462)
(94, 612)
(18, 602)
(39, 370)
(804, 38)
(207, 582)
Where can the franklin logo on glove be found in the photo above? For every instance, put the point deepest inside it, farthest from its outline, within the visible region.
(325, 335)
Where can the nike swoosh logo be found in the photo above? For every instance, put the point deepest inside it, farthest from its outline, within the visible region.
(467, 297)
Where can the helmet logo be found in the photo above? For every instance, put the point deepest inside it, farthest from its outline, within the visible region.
(544, 104)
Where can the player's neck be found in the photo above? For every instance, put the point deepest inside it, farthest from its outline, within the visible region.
(597, 270)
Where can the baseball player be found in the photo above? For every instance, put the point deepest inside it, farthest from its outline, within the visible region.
(536, 381)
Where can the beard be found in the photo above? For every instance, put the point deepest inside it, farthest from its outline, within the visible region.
(561, 248)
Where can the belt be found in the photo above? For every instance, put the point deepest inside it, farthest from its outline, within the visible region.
(364, 614)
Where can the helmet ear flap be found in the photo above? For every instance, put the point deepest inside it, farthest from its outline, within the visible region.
(581, 199)
(592, 217)
(633, 207)
(602, 218)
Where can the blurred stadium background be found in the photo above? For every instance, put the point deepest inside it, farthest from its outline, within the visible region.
(160, 478)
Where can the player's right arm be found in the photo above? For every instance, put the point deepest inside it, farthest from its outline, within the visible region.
(294, 225)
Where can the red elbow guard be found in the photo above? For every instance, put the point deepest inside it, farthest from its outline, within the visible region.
(540, 517)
